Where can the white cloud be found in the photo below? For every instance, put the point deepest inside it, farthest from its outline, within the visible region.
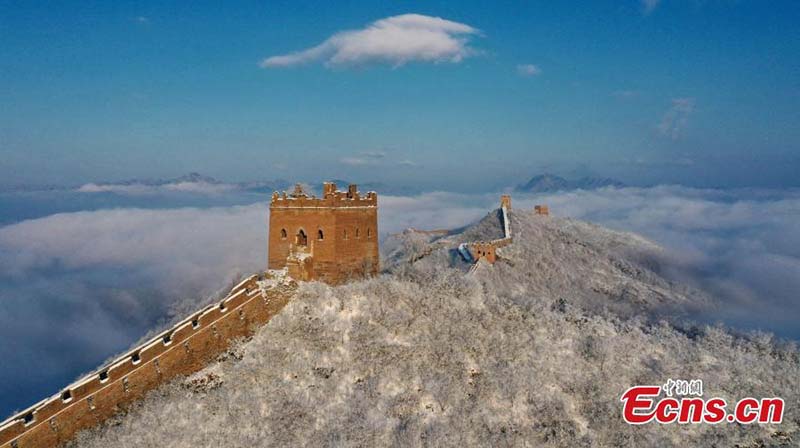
(650, 5)
(82, 286)
(394, 40)
(116, 188)
(627, 94)
(138, 238)
(200, 187)
(142, 20)
(205, 188)
(435, 210)
(528, 70)
(355, 161)
(676, 117)
(374, 154)
(364, 158)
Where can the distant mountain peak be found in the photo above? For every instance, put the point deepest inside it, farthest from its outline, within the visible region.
(546, 183)
(193, 177)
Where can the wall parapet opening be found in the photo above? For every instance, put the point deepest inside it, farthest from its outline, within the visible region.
(29, 418)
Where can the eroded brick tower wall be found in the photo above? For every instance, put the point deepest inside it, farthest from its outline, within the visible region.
(339, 231)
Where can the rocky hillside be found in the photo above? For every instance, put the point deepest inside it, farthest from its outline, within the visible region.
(535, 350)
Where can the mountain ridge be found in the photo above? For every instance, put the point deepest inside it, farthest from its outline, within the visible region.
(549, 183)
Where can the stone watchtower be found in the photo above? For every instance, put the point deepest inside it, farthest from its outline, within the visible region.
(332, 238)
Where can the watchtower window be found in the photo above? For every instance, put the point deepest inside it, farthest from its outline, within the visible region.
(283, 234)
(345, 233)
(369, 232)
(320, 235)
(357, 232)
(302, 239)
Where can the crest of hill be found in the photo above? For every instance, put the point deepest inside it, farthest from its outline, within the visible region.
(558, 257)
(509, 355)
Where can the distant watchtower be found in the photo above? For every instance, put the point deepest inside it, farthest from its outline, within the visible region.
(332, 238)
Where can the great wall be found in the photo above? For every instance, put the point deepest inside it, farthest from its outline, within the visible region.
(183, 349)
(198, 340)
(476, 251)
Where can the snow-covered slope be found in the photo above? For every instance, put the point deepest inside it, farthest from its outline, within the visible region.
(515, 354)
(559, 257)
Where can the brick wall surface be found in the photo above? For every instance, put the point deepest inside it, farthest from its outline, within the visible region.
(183, 349)
(349, 225)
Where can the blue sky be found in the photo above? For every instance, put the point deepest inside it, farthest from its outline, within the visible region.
(704, 93)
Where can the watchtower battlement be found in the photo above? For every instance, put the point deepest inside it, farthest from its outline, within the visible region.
(332, 238)
(331, 197)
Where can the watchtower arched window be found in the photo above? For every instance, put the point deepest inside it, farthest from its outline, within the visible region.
(345, 233)
(283, 234)
(302, 239)
(357, 232)
(320, 235)
(369, 232)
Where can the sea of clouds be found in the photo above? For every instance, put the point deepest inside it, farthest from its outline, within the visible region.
(78, 287)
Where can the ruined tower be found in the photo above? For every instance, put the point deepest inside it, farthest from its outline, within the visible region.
(332, 238)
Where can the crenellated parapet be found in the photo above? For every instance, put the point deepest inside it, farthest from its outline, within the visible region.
(331, 198)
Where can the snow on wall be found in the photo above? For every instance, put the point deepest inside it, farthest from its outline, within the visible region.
(181, 350)
(506, 223)
(487, 250)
